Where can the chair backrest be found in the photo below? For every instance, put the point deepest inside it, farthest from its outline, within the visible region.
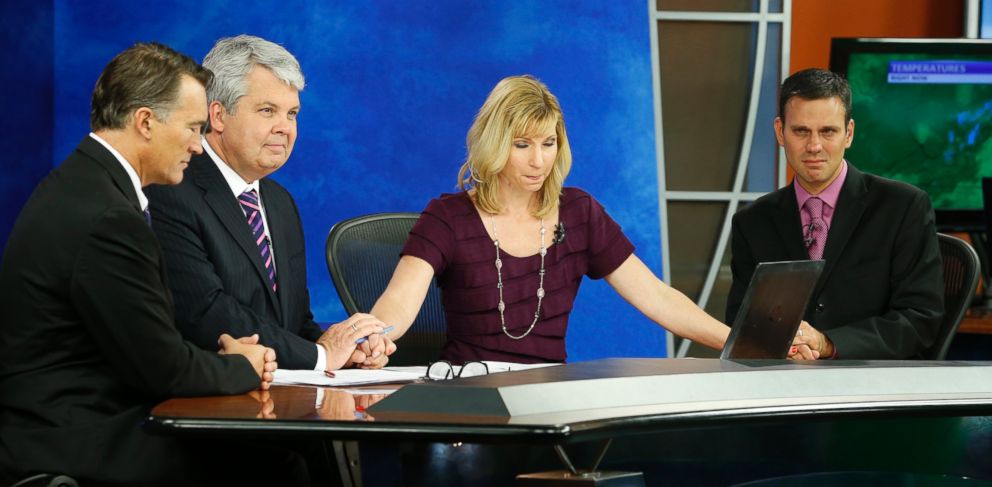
(961, 272)
(362, 253)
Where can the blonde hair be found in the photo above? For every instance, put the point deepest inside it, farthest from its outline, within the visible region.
(518, 106)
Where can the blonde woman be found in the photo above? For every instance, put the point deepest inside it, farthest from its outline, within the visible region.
(510, 249)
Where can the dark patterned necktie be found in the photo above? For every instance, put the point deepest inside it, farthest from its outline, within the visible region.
(815, 234)
(249, 203)
(148, 216)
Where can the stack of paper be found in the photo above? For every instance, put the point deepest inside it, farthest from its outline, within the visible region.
(347, 377)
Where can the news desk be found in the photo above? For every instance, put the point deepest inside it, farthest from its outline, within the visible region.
(679, 421)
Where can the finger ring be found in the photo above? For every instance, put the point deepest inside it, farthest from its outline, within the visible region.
(800, 332)
(354, 327)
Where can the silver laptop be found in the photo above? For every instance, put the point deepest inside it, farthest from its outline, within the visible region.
(772, 309)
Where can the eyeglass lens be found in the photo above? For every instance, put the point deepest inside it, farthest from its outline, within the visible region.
(443, 370)
(440, 371)
(473, 369)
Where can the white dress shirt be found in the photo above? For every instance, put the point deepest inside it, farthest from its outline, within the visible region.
(131, 173)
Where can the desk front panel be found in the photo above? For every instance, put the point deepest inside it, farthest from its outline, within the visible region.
(592, 400)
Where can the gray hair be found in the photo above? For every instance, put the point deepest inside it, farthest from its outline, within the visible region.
(232, 58)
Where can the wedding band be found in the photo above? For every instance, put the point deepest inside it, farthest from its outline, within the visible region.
(354, 327)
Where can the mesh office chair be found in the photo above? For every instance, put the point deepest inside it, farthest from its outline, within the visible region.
(961, 269)
(362, 253)
(47, 480)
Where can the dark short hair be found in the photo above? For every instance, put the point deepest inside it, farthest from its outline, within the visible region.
(815, 84)
(147, 74)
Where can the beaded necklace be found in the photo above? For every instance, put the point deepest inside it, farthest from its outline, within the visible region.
(499, 281)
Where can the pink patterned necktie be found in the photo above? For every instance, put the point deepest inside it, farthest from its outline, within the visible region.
(249, 203)
(815, 234)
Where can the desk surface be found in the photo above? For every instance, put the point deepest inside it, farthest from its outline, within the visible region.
(593, 400)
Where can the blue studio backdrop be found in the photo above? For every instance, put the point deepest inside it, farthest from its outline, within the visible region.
(391, 91)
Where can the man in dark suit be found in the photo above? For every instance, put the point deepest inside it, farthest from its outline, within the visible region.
(88, 336)
(232, 237)
(880, 294)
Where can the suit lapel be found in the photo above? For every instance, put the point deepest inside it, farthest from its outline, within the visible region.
(788, 225)
(217, 195)
(850, 206)
(96, 151)
(277, 214)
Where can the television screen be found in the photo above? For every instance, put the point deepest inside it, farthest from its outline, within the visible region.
(922, 110)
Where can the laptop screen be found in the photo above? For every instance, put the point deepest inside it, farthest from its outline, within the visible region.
(772, 309)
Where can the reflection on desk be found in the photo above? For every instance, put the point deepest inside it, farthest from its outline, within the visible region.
(295, 403)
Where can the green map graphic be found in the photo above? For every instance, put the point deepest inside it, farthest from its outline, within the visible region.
(937, 137)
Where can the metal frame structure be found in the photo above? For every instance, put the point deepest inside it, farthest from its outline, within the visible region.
(733, 198)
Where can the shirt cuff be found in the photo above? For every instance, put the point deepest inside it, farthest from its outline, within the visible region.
(321, 364)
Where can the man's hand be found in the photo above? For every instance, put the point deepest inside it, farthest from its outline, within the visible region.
(262, 359)
(811, 343)
(339, 340)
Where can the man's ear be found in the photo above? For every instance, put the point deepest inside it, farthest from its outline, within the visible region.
(217, 114)
(142, 119)
(849, 135)
(779, 133)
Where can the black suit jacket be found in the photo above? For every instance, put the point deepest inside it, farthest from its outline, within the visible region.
(88, 338)
(217, 274)
(881, 293)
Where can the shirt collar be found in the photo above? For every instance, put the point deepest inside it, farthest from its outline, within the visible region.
(128, 168)
(236, 182)
(830, 195)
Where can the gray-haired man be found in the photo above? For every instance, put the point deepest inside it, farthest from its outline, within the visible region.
(232, 237)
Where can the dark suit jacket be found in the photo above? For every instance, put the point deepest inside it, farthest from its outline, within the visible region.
(88, 337)
(881, 293)
(217, 274)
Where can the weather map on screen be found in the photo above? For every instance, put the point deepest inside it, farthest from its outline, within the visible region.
(925, 118)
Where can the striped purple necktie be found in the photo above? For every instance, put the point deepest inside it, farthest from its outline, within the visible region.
(815, 234)
(249, 203)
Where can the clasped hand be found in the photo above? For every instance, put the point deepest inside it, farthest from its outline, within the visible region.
(810, 344)
(263, 359)
(342, 351)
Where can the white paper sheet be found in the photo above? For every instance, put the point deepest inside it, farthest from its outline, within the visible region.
(495, 366)
(346, 377)
(387, 375)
